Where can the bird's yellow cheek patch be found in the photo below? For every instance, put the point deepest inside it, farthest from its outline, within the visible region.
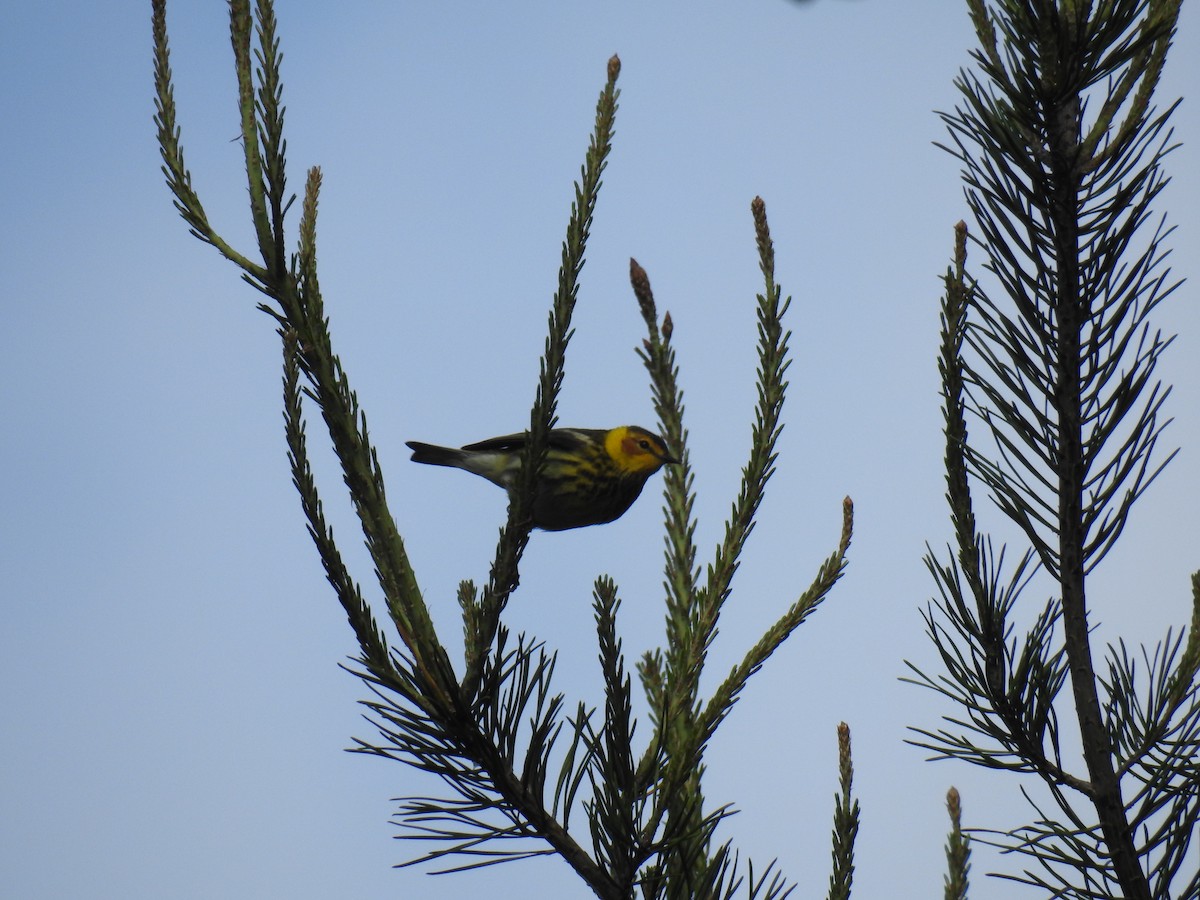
(616, 443)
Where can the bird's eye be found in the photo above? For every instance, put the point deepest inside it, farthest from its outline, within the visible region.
(645, 445)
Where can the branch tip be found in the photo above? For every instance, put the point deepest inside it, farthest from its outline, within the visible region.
(960, 243)
(954, 805)
(759, 210)
(847, 524)
(762, 231)
(641, 290)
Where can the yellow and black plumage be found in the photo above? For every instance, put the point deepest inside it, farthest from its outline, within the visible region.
(591, 475)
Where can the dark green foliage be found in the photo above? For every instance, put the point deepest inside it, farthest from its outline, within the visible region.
(1062, 153)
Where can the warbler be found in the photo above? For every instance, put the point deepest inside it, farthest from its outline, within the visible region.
(591, 476)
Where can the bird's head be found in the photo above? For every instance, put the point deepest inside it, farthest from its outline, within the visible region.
(637, 451)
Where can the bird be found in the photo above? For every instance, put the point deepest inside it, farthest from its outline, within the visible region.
(591, 475)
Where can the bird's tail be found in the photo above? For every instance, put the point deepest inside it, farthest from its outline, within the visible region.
(433, 455)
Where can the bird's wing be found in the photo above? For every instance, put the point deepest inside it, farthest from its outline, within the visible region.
(558, 438)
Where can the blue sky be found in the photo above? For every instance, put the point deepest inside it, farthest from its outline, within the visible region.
(174, 711)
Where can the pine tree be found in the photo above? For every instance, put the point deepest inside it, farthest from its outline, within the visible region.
(516, 760)
(1049, 357)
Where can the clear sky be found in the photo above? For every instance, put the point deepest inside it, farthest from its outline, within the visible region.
(174, 714)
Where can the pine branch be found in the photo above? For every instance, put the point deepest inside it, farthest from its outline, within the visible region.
(617, 806)
(504, 575)
(678, 795)
(845, 822)
(773, 353)
(958, 851)
(179, 178)
(683, 723)
(375, 655)
(726, 695)
(492, 738)
(241, 25)
(1062, 152)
